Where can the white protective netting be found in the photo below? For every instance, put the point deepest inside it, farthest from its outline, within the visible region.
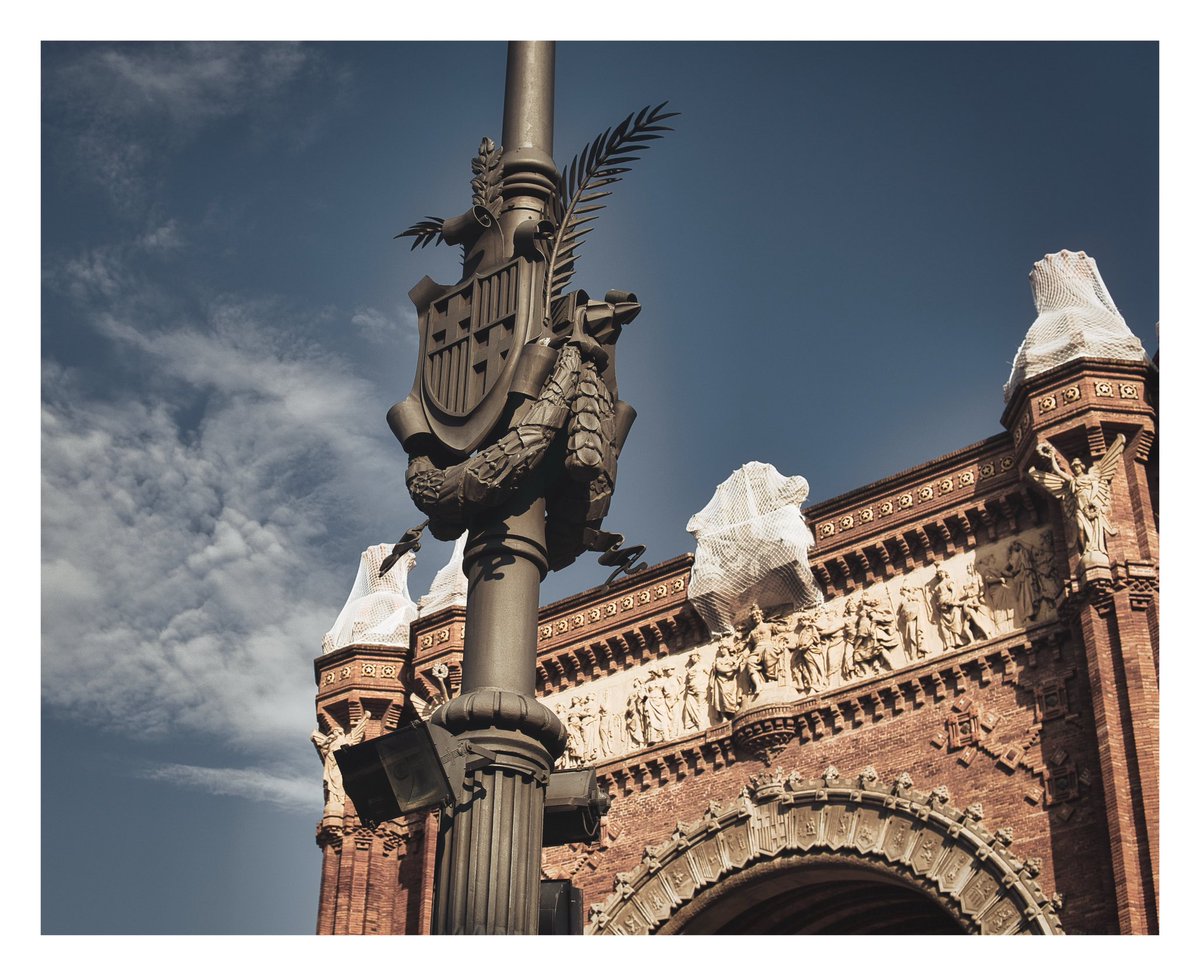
(449, 586)
(752, 547)
(378, 611)
(1076, 318)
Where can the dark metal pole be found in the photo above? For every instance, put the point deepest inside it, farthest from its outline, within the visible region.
(490, 846)
(513, 429)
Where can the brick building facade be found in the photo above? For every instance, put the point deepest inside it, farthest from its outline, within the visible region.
(962, 738)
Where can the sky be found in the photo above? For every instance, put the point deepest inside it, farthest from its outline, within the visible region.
(831, 252)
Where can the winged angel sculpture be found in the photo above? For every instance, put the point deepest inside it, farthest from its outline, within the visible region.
(1085, 495)
(327, 743)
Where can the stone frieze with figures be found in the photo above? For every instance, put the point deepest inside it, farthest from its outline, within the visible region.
(974, 596)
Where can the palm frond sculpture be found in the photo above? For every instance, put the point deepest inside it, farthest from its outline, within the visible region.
(424, 232)
(573, 204)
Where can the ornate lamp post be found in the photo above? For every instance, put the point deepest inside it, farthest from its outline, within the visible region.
(513, 429)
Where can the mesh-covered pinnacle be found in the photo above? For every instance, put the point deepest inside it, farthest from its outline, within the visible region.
(378, 610)
(751, 548)
(1076, 318)
(449, 586)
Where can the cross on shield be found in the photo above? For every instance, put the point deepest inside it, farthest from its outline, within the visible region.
(471, 338)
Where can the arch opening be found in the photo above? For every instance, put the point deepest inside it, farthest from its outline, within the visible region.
(833, 855)
(815, 896)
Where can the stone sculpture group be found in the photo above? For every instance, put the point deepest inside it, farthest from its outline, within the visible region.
(993, 590)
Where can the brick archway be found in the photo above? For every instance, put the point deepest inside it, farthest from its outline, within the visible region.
(918, 839)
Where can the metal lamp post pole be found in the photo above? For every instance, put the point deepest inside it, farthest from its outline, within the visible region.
(490, 843)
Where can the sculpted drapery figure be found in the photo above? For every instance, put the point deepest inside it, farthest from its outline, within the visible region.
(810, 666)
(723, 692)
(947, 609)
(768, 644)
(657, 708)
(977, 619)
(635, 714)
(693, 693)
(911, 617)
(873, 639)
(1024, 583)
(327, 744)
(1085, 495)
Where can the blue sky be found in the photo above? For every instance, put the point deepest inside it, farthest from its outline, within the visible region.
(831, 252)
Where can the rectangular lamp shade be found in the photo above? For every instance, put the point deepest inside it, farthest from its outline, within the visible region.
(394, 774)
(574, 806)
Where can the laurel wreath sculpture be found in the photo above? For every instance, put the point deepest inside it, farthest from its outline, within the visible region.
(575, 393)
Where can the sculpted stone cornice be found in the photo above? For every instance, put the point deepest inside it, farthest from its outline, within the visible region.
(378, 667)
(918, 836)
(1096, 588)
(955, 481)
(1060, 396)
(641, 618)
(855, 551)
(440, 631)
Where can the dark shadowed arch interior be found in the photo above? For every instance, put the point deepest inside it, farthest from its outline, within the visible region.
(815, 896)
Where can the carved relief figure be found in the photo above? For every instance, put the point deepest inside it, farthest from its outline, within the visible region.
(693, 691)
(997, 592)
(589, 719)
(947, 609)
(723, 692)
(1047, 570)
(977, 618)
(911, 617)
(658, 713)
(327, 744)
(840, 653)
(1085, 495)
(810, 667)
(875, 638)
(767, 645)
(605, 726)
(672, 691)
(1025, 585)
(635, 715)
(576, 744)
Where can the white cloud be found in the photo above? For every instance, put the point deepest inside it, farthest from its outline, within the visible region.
(98, 273)
(375, 326)
(131, 107)
(290, 792)
(165, 237)
(186, 579)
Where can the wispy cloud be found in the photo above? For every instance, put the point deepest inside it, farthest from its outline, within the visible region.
(185, 577)
(131, 107)
(204, 496)
(289, 792)
(377, 327)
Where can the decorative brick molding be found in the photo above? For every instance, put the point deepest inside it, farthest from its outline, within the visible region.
(918, 836)
(880, 551)
(393, 835)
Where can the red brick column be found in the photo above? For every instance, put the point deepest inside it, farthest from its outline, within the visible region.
(1119, 654)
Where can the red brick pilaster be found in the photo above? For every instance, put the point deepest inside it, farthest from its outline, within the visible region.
(1117, 647)
(428, 861)
(331, 846)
